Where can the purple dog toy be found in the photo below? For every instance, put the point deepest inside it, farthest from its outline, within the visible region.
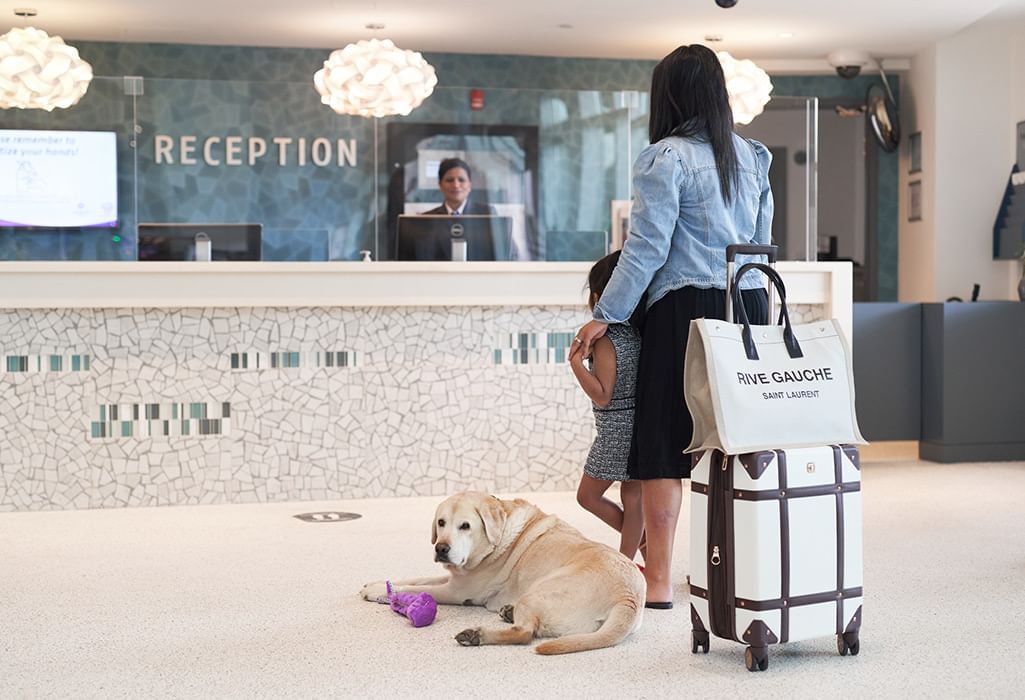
(420, 608)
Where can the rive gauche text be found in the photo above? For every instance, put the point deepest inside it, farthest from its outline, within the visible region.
(787, 377)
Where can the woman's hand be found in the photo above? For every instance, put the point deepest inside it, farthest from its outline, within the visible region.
(575, 359)
(586, 336)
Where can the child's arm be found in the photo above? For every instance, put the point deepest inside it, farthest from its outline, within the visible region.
(599, 384)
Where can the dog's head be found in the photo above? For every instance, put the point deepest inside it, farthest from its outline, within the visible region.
(467, 528)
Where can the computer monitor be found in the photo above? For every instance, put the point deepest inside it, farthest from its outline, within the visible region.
(160, 242)
(429, 237)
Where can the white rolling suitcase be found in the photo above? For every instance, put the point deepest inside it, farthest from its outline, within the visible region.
(776, 548)
(775, 540)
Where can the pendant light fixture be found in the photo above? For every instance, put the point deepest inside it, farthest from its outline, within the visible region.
(39, 71)
(748, 86)
(374, 78)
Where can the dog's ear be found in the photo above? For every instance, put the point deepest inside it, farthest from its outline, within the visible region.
(434, 529)
(492, 514)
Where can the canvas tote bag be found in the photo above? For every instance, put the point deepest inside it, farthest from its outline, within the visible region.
(753, 388)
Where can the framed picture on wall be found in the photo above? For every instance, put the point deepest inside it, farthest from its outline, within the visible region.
(1021, 147)
(915, 200)
(915, 152)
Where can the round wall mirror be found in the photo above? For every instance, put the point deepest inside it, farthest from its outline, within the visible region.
(882, 114)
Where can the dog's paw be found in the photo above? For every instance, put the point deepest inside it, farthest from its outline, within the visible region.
(506, 613)
(376, 592)
(469, 638)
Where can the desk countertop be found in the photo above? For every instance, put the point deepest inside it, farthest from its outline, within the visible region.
(50, 285)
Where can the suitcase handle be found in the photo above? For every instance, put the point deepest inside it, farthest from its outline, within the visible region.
(735, 249)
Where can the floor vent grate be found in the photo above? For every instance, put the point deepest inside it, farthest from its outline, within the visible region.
(327, 517)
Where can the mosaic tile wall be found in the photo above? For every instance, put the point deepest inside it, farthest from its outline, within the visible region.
(421, 401)
(410, 402)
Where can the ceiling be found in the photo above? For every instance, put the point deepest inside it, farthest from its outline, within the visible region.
(641, 29)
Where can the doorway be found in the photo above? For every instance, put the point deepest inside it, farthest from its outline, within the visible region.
(845, 224)
(845, 179)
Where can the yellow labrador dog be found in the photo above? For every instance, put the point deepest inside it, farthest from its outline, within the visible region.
(531, 568)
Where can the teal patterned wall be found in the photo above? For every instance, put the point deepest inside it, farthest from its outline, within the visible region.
(298, 65)
(308, 212)
(582, 106)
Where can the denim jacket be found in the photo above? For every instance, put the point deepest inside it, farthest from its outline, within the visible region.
(680, 225)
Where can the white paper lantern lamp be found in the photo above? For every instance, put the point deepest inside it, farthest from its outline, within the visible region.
(374, 78)
(748, 86)
(39, 71)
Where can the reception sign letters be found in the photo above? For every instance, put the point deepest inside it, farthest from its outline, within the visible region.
(238, 150)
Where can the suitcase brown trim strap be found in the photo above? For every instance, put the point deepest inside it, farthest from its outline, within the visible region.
(781, 604)
(784, 547)
(722, 606)
(801, 492)
(841, 538)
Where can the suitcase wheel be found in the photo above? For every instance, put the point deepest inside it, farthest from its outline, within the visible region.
(698, 642)
(848, 642)
(756, 658)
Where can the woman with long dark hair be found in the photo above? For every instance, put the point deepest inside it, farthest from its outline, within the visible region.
(698, 187)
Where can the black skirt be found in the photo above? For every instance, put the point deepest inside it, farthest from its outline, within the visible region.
(662, 423)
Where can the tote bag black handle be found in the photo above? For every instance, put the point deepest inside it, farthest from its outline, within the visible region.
(732, 251)
(789, 339)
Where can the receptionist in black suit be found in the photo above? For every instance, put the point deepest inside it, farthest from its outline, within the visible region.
(455, 182)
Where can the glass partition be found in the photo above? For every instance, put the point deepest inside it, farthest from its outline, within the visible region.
(266, 165)
(789, 128)
(261, 153)
(45, 167)
(552, 161)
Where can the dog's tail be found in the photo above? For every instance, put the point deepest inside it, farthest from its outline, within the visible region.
(622, 620)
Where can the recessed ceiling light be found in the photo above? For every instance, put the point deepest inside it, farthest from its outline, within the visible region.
(786, 35)
(564, 26)
(713, 38)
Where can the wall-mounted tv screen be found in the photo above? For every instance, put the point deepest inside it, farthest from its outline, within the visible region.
(58, 179)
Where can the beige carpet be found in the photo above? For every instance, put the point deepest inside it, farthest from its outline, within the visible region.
(216, 601)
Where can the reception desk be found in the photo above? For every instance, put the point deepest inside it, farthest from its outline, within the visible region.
(182, 383)
(948, 378)
(972, 385)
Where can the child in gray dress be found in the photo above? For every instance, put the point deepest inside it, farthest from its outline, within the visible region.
(609, 383)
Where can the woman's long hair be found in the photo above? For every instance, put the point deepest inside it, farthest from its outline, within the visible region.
(689, 98)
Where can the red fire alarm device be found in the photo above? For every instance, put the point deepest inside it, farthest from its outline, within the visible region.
(476, 99)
